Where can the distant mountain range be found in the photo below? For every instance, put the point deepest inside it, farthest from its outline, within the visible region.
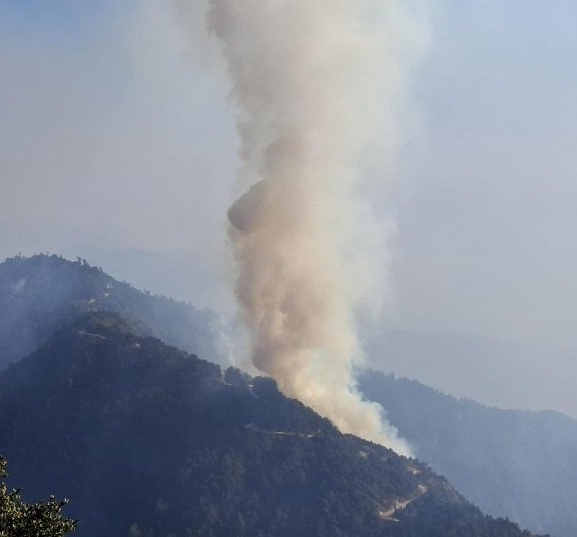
(518, 464)
(506, 374)
(149, 441)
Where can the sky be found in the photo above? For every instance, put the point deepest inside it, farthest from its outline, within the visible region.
(116, 142)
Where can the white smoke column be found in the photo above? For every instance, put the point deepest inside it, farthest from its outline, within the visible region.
(313, 81)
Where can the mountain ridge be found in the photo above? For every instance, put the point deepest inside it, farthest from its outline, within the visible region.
(149, 440)
(41, 293)
(512, 463)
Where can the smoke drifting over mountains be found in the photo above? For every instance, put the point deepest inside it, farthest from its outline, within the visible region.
(315, 85)
(118, 147)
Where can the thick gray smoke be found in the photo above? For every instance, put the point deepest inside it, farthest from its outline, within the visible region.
(315, 84)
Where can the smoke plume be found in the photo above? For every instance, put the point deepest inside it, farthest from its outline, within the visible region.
(314, 83)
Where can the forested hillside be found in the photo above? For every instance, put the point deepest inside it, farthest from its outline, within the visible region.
(40, 294)
(150, 441)
(512, 463)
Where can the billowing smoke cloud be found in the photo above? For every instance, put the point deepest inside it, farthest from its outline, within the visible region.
(315, 84)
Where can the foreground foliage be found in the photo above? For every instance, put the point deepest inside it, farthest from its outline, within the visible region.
(19, 519)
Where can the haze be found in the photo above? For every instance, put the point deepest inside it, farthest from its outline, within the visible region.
(116, 145)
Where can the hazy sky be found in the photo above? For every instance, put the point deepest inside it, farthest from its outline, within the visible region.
(115, 133)
(486, 230)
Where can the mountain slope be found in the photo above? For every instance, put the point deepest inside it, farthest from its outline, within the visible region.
(41, 293)
(148, 440)
(518, 464)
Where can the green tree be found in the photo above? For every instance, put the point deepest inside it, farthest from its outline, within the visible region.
(18, 519)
